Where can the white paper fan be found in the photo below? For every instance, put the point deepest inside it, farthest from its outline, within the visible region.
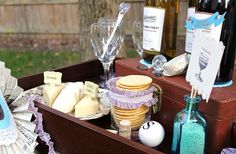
(17, 131)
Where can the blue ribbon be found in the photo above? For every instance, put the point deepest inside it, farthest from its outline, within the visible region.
(194, 23)
(5, 122)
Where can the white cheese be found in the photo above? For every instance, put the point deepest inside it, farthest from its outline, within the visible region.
(50, 93)
(91, 89)
(86, 107)
(68, 97)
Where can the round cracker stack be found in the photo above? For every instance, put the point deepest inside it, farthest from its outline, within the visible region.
(135, 116)
(134, 82)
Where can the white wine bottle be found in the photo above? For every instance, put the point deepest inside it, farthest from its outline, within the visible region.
(189, 33)
(225, 32)
(153, 23)
(159, 26)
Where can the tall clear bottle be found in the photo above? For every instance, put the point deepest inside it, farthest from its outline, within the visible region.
(159, 28)
(225, 32)
(189, 33)
(189, 133)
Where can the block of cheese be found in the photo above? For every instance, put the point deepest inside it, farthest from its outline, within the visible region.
(68, 97)
(91, 89)
(86, 107)
(50, 93)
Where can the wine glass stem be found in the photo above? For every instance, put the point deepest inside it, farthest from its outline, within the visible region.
(106, 67)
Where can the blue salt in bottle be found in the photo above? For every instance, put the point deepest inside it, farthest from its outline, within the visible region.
(189, 133)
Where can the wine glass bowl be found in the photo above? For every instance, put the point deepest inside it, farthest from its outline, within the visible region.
(137, 36)
(203, 62)
(106, 48)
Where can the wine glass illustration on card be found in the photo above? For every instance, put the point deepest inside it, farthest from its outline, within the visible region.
(203, 62)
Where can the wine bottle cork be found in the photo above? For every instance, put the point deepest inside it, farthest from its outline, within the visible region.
(125, 129)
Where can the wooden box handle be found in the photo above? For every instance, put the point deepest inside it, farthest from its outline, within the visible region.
(234, 134)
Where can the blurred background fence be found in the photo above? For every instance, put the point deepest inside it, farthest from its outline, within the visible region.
(55, 24)
(35, 17)
(60, 24)
(56, 16)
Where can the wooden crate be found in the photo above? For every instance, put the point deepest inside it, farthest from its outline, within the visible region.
(72, 135)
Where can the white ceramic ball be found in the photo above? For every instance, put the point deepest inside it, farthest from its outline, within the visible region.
(151, 133)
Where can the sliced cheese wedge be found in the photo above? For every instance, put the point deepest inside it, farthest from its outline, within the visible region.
(50, 93)
(68, 97)
(86, 107)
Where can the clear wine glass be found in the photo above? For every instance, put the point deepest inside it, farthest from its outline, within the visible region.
(100, 34)
(203, 62)
(137, 36)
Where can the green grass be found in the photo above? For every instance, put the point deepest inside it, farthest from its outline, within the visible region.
(23, 63)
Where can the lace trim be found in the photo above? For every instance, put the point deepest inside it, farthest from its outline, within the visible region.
(39, 124)
(130, 99)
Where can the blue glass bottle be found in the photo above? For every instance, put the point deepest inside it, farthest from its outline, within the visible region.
(189, 133)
